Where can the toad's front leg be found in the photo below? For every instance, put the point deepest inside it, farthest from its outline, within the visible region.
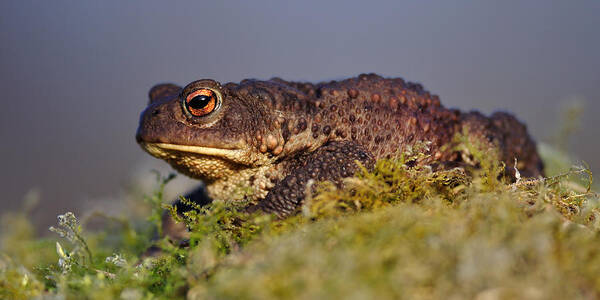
(331, 162)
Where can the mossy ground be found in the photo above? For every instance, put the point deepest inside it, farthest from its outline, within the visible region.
(394, 232)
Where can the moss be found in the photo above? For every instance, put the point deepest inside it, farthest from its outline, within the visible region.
(399, 231)
(486, 245)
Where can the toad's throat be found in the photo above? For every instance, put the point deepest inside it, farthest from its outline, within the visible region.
(205, 163)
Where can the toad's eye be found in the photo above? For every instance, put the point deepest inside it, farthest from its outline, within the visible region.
(201, 102)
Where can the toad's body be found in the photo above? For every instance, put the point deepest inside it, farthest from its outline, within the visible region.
(274, 136)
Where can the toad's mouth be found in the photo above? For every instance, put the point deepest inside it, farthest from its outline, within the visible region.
(228, 154)
(199, 162)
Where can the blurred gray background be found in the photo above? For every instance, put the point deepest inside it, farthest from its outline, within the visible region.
(75, 74)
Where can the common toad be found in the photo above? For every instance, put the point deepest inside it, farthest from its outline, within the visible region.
(274, 136)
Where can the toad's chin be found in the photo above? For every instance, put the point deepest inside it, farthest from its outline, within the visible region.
(205, 163)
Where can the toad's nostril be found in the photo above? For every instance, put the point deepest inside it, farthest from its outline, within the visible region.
(156, 111)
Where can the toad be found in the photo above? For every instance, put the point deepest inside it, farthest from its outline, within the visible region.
(275, 136)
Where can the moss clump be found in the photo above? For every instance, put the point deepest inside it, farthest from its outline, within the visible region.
(486, 246)
(392, 181)
(399, 231)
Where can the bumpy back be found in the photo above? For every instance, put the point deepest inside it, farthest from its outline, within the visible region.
(386, 115)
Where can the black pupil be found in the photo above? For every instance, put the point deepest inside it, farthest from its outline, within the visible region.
(199, 102)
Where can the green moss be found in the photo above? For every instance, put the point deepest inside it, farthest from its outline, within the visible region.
(391, 182)
(486, 245)
(392, 232)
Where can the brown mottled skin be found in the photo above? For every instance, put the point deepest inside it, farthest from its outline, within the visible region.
(274, 136)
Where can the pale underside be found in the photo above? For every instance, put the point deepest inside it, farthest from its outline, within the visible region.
(229, 174)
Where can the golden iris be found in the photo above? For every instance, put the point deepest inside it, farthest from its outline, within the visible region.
(201, 102)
